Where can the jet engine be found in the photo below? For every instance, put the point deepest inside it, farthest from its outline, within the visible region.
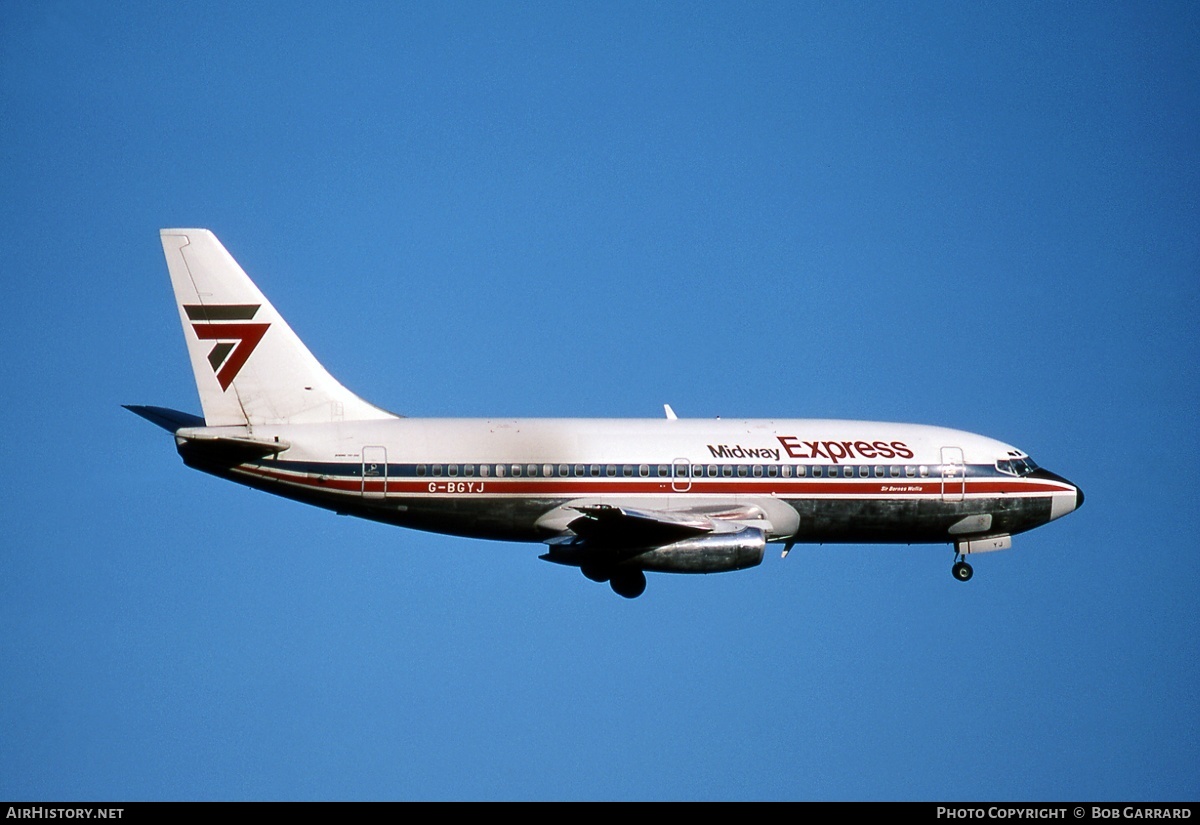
(711, 553)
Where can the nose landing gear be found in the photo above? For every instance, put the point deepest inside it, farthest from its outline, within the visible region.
(961, 570)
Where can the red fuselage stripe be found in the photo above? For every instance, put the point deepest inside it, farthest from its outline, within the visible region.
(579, 487)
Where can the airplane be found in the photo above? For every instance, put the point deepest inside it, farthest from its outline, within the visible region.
(615, 498)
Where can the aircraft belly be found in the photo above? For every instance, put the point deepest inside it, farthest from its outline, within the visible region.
(910, 520)
(500, 518)
(820, 520)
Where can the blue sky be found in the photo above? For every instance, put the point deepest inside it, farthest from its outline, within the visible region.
(977, 215)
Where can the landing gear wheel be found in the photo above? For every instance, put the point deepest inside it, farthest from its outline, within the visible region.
(628, 583)
(962, 571)
(596, 574)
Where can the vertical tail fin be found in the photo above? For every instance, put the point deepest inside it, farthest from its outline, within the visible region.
(250, 367)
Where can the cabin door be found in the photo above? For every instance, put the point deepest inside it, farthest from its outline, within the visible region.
(954, 474)
(374, 472)
(681, 475)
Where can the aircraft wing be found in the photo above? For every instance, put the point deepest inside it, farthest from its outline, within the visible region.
(701, 539)
(604, 524)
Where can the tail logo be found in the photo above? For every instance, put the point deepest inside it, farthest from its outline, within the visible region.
(229, 326)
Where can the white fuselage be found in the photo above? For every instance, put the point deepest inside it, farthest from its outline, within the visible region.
(506, 478)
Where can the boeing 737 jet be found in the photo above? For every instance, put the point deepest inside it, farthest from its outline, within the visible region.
(615, 498)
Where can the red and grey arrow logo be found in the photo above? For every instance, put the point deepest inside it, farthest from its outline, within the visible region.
(227, 324)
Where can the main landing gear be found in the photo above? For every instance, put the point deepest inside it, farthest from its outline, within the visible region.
(627, 583)
(961, 570)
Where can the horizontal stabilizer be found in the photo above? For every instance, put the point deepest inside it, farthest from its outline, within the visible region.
(170, 420)
(202, 441)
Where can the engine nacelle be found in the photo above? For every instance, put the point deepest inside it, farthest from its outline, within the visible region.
(713, 553)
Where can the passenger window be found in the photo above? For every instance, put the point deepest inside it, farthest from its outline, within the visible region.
(627, 470)
(924, 471)
(786, 470)
(437, 469)
(562, 470)
(864, 471)
(579, 470)
(595, 470)
(547, 470)
(483, 470)
(910, 471)
(894, 471)
(758, 471)
(727, 471)
(468, 470)
(662, 470)
(499, 471)
(644, 470)
(452, 470)
(421, 469)
(516, 471)
(610, 470)
(878, 471)
(772, 471)
(712, 470)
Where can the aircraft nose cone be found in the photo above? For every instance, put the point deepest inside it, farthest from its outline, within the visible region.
(1063, 505)
(1078, 490)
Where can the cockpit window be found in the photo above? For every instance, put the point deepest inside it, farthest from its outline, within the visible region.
(1018, 466)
